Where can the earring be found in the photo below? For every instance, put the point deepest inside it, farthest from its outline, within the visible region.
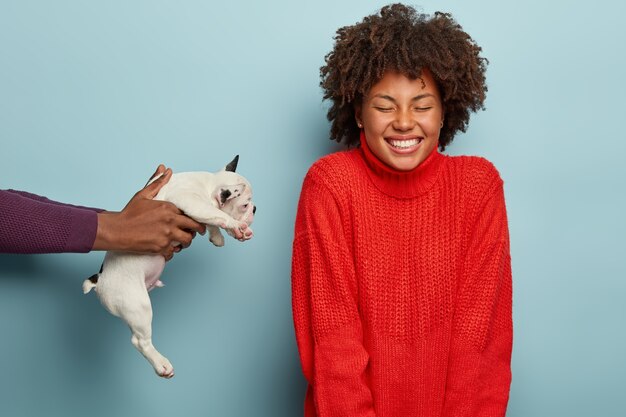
(359, 125)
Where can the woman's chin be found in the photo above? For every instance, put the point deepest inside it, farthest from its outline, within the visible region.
(405, 162)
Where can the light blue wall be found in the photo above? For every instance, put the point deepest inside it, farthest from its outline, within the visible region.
(93, 95)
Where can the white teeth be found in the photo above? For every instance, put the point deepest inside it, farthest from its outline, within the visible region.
(404, 143)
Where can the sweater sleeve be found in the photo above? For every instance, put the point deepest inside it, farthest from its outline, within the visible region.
(479, 373)
(47, 200)
(34, 224)
(325, 308)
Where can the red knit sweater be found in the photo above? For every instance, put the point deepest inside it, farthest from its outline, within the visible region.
(401, 288)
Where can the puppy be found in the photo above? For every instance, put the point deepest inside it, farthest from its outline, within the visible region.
(218, 200)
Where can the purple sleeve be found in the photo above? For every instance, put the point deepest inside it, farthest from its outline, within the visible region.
(46, 200)
(34, 224)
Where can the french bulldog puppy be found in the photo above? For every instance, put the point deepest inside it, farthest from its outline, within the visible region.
(218, 200)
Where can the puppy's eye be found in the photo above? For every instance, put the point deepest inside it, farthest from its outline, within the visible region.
(245, 205)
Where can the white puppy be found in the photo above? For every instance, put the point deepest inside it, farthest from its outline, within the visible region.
(218, 200)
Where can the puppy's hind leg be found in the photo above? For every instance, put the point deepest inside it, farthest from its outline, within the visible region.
(139, 319)
(215, 236)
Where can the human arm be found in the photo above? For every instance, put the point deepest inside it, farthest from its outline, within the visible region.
(325, 307)
(43, 199)
(34, 224)
(479, 373)
(39, 225)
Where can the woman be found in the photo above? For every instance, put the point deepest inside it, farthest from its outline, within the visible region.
(401, 272)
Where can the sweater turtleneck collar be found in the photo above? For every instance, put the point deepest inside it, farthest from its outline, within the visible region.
(401, 184)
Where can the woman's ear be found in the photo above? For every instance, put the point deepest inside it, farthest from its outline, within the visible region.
(357, 115)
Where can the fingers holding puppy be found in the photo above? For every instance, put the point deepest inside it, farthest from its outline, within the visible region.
(178, 231)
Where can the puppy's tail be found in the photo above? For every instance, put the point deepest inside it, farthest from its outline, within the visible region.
(91, 282)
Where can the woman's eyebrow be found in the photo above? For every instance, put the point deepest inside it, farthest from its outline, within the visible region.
(418, 97)
(421, 96)
(386, 97)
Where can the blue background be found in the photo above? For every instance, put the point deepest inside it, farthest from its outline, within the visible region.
(93, 95)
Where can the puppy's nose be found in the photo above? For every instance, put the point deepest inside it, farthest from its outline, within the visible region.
(253, 209)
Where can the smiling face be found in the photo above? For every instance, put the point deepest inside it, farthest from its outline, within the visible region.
(402, 118)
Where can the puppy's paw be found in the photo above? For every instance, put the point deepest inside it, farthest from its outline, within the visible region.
(236, 229)
(164, 368)
(247, 235)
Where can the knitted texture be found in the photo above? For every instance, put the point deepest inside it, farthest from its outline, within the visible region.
(401, 288)
(33, 224)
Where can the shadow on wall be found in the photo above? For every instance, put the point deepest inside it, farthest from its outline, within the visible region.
(43, 290)
(12, 267)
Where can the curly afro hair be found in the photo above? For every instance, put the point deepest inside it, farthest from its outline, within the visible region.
(401, 39)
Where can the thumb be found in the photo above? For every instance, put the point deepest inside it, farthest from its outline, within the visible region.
(152, 189)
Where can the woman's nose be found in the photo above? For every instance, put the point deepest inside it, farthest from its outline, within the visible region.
(404, 120)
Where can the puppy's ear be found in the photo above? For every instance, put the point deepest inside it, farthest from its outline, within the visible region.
(232, 165)
(228, 192)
